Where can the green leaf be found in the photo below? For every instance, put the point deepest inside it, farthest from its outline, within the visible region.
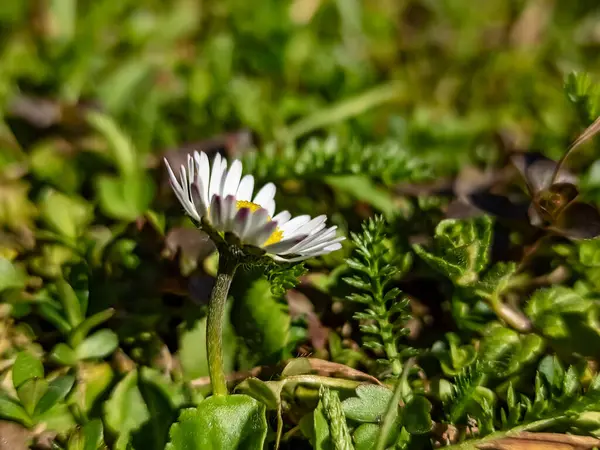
(12, 410)
(30, 392)
(460, 249)
(83, 329)
(221, 423)
(125, 409)
(362, 188)
(338, 429)
(99, 345)
(10, 277)
(261, 320)
(88, 437)
(192, 348)
(125, 198)
(321, 432)
(26, 367)
(65, 215)
(370, 405)
(417, 415)
(153, 434)
(63, 354)
(59, 418)
(70, 302)
(121, 147)
(553, 372)
(365, 436)
(94, 380)
(56, 392)
(267, 393)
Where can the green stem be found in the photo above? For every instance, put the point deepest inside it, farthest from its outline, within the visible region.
(214, 326)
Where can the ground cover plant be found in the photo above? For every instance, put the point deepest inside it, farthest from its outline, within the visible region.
(454, 304)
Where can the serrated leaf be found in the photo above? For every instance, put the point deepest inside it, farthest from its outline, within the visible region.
(461, 249)
(370, 405)
(99, 345)
(221, 423)
(26, 367)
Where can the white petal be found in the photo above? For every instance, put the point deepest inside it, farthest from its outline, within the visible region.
(173, 179)
(257, 220)
(282, 218)
(290, 227)
(285, 244)
(269, 206)
(215, 177)
(228, 213)
(215, 212)
(311, 225)
(314, 239)
(321, 246)
(245, 189)
(265, 194)
(233, 178)
(260, 236)
(241, 222)
(203, 167)
(223, 176)
(195, 193)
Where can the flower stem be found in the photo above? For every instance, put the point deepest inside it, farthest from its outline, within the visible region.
(214, 327)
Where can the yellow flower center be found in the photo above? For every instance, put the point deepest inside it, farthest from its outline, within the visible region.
(276, 236)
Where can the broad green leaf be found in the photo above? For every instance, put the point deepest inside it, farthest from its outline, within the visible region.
(93, 381)
(70, 302)
(221, 423)
(125, 409)
(321, 431)
(362, 188)
(460, 249)
(553, 372)
(83, 329)
(192, 348)
(88, 437)
(417, 415)
(121, 148)
(30, 392)
(65, 215)
(59, 418)
(99, 345)
(26, 367)
(10, 409)
(51, 165)
(365, 436)
(370, 405)
(56, 392)
(63, 354)
(261, 320)
(125, 198)
(153, 434)
(10, 277)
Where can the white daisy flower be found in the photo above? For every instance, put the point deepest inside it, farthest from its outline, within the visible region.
(223, 199)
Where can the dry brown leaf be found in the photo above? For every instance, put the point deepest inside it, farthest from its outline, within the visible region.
(303, 366)
(541, 441)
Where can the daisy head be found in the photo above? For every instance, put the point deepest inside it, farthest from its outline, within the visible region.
(222, 201)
